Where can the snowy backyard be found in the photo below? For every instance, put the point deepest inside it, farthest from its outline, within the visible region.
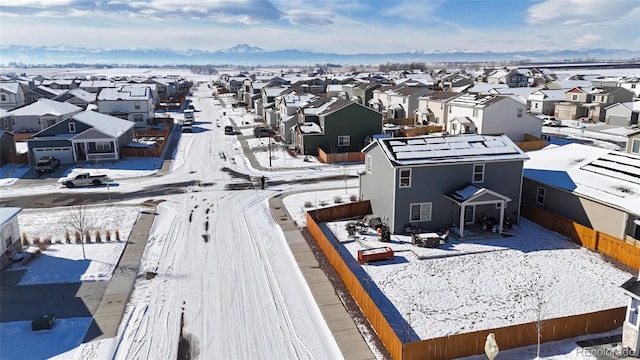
(223, 265)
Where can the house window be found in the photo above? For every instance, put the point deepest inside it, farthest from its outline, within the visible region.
(475, 112)
(441, 106)
(535, 105)
(138, 118)
(3, 97)
(344, 140)
(635, 146)
(449, 110)
(369, 165)
(633, 86)
(540, 195)
(6, 124)
(498, 206)
(103, 146)
(633, 312)
(478, 173)
(405, 178)
(574, 97)
(72, 127)
(420, 212)
(136, 105)
(520, 112)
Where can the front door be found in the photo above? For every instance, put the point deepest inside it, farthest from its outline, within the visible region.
(469, 214)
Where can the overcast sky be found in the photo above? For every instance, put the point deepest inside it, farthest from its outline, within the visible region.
(340, 26)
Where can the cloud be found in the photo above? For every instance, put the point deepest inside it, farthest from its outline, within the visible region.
(578, 12)
(411, 9)
(300, 17)
(587, 40)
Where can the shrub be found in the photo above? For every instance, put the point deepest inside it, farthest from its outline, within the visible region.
(36, 241)
(308, 204)
(67, 237)
(337, 199)
(323, 203)
(97, 235)
(353, 197)
(47, 240)
(25, 240)
(87, 236)
(107, 235)
(78, 237)
(117, 235)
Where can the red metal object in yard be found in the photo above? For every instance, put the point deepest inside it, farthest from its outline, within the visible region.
(381, 253)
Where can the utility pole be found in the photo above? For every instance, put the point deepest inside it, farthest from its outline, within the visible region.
(269, 151)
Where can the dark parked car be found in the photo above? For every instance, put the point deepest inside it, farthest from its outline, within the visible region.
(263, 131)
(228, 130)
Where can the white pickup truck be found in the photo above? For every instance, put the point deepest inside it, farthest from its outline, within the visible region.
(84, 179)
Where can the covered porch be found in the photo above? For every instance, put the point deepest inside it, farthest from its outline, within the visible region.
(94, 146)
(480, 211)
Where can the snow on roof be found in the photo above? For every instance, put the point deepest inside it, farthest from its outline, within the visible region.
(308, 128)
(611, 177)
(434, 149)
(107, 124)
(8, 213)
(11, 87)
(125, 93)
(46, 106)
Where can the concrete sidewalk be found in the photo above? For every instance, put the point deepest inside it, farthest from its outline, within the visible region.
(342, 326)
(108, 316)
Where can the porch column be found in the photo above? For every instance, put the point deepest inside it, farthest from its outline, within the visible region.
(462, 207)
(501, 224)
(86, 151)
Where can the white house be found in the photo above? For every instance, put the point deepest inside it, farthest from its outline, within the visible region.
(491, 114)
(544, 101)
(11, 95)
(9, 234)
(133, 103)
(433, 108)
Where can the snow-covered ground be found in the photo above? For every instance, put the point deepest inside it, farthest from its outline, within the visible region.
(221, 260)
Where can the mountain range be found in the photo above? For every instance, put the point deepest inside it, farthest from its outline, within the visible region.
(246, 55)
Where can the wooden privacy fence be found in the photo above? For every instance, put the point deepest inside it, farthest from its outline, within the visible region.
(348, 157)
(531, 143)
(608, 245)
(454, 346)
(150, 152)
(18, 158)
(420, 130)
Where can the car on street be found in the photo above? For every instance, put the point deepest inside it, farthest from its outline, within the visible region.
(550, 121)
(47, 164)
(228, 130)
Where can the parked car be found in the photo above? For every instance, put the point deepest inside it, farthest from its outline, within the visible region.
(263, 131)
(550, 121)
(47, 164)
(84, 179)
(187, 126)
(228, 130)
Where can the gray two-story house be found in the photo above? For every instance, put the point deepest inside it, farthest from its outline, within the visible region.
(436, 182)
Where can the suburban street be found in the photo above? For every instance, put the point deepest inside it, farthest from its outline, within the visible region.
(226, 279)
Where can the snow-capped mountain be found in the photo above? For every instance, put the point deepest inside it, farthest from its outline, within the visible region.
(247, 55)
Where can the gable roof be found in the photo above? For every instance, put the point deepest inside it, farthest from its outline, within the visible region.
(46, 106)
(435, 149)
(106, 124)
(611, 177)
(11, 87)
(125, 92)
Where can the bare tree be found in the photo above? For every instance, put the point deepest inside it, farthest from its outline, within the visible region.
(538, 295)
(78, 220)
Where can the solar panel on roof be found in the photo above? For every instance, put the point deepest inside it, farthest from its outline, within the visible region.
(460, 145)
(435, 140)
(415, 141)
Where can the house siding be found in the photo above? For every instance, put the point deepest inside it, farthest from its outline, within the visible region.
(431, 183)
(381, 197)
(584, 211)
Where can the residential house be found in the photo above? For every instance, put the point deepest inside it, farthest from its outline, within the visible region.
(40, 115)
(77, 97)
(335, 126)
(543, 101)
(11, 95)
(572, 107)
(61, 84)
(95, 86)
(86, 136)
(337, 91)
(603, 97)
(360, 92)
(606, 81)
(266, 107)
(510, 77)
(288, 104)
(41, 92)
(434, 182)
(622, 114)
(631, 325)
(433, 108)
(633, 142)
(594, 187)
(632, 84)
(566, 84)
(454, 80)
(403, 101)
(133, 103)
(10, 243)
(7, 146)
(491, 115)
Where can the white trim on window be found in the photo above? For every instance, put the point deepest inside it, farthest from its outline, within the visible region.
(369, 164)
(404, 176)
(344, 140)
(420, 212)
(72, 127)
(540, 195)
(478, 173)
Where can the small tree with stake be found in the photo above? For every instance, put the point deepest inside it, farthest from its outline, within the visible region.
(78, 220)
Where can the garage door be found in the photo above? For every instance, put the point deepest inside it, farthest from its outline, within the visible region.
(618, 120)
(63, 153)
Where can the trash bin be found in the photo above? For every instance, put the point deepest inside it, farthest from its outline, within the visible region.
(45, 322)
